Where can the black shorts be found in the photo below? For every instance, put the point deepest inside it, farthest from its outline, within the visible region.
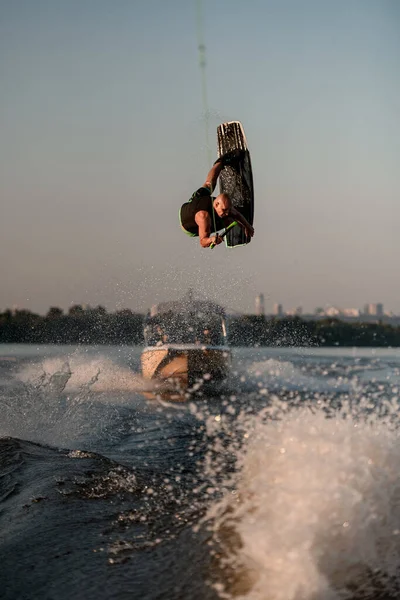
(201, 199)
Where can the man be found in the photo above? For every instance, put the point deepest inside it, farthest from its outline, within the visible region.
(204, 213)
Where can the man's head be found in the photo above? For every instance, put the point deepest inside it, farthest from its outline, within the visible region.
(222, 205)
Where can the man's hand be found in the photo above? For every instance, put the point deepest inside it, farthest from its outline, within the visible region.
(249, 230)
(216, 240)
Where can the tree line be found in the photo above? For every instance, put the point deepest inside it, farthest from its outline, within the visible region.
(78, 326)
(251, 330)
(96, 326)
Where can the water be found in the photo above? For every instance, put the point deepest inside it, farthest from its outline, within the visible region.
(282, 485)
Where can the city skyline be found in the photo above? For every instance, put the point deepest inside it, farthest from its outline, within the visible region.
(376, 309)
(103, 138)
(371, 309)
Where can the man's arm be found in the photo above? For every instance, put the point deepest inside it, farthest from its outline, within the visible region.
(213, 175)
(237, 216)
(203, 220)
(229, 158)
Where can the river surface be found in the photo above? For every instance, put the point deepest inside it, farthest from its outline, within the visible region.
(283, 484)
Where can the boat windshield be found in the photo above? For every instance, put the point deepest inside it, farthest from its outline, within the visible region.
(185, 328)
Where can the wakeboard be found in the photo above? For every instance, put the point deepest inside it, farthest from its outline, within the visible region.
(236, 180)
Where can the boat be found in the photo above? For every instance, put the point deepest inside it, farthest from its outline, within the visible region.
(186, 343)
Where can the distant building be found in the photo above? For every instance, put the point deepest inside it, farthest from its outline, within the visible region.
(375, 310)
(350, 312)
(277, 310)
(332, 311)
(260, 305)
(295, 312)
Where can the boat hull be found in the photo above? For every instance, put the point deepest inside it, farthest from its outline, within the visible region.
(185, 365)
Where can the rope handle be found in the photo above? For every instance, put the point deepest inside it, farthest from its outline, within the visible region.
(223, 234)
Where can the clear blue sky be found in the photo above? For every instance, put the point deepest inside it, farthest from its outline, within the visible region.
(102, 139)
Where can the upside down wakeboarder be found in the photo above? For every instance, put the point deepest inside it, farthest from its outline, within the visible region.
(204, 214)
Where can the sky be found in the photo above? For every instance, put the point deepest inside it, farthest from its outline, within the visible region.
(103, 138)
